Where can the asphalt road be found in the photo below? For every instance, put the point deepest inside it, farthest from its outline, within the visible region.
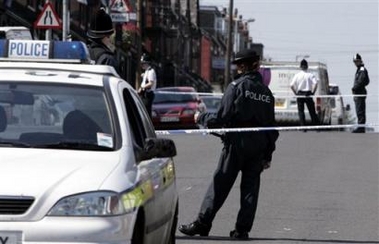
(322, 187)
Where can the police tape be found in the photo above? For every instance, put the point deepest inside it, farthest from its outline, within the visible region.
(256, 129)
(275, 95)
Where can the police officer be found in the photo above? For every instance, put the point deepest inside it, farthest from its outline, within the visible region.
(149, 83)
(304, 84)
(247, 102)
(99, 36)
(361, 80)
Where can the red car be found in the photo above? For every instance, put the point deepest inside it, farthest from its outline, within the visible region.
(174, 108)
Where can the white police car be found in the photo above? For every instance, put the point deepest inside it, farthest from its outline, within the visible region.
(79, 158)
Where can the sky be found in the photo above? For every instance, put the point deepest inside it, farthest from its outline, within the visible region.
(329, 31)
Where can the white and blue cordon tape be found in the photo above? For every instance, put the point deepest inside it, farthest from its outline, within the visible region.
(249, 129)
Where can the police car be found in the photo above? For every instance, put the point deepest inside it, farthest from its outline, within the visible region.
(79, 158)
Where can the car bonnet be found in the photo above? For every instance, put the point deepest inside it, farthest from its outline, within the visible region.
(38, 172)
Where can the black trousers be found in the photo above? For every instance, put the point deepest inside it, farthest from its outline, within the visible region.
(237, 155)
(310, 105)
(147, 99)
(360, 109)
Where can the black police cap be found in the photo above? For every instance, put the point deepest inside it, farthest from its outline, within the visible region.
(357, 57)
(304, 64)
(145, 59)
(246, 54)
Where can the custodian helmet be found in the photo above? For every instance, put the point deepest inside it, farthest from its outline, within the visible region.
(101, 25)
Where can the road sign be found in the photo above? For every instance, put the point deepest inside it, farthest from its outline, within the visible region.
(120, 17)
(48, 18)
(120, 10)
(120, 6)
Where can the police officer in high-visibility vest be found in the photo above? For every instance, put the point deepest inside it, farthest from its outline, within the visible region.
(361, 80)
(247, 102)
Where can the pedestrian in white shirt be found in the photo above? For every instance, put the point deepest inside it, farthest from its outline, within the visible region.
(149, 83)
(304, 85)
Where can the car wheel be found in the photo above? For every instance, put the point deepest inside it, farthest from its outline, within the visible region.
(138, 233)
(172, 238)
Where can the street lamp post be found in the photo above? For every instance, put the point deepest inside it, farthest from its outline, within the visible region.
(228, 46)
(301, 56)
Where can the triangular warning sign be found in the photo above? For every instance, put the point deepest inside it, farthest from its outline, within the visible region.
(48, 18)
(121, 6)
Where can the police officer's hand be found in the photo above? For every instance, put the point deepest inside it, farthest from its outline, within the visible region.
(266, 164)
(196, 116)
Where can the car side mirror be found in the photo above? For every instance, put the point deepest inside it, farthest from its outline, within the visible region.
(157, 148)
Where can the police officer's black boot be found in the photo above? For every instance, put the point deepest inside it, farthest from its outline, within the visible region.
(359, 130)
(234, 234)
(195, 228)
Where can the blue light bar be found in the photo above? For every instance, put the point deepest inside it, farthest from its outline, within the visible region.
(44, 51)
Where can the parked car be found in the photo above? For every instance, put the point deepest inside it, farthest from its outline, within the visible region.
(212, 103)
(174, 107)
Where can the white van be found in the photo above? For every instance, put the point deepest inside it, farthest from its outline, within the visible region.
(339, 111)
(15, 33)
(278, 76)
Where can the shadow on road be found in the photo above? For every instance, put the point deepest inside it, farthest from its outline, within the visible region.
(223, 238)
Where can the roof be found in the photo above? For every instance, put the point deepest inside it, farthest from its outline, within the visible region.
(177, 88)
(59, 74)
(81, 68)
(292, 64)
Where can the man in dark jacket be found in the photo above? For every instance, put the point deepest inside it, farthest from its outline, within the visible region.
(99, 36)
(247, 102)
(361, 80)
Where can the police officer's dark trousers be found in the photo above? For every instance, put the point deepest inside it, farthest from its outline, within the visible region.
(147, 99)
(241, 152)
(360, 108)
(310, 105)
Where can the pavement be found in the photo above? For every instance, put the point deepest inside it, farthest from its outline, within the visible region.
(322, 187)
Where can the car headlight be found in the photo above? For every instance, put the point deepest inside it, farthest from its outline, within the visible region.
(89, 204)
(188, 112)
(154, 114)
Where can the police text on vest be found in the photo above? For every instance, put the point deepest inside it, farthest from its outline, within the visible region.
(257, 96)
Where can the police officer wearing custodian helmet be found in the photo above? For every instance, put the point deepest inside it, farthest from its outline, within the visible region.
(99, 34)
(361, 80)
(247, 102)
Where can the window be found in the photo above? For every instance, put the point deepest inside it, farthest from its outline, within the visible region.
(41, 114)
(134, 118)
(147, 124)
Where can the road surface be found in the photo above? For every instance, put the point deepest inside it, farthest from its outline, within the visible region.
(322, 187)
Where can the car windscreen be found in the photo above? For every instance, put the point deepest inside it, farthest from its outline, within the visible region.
(174, 97)
(59, 116)
(212, 102)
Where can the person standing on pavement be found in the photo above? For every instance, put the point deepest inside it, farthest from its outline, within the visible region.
(247, 102)
(149, 83)
(100, 44)
(361, 80)
(304, 85)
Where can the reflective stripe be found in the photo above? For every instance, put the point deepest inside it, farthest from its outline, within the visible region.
(168, 174)
(138, 196)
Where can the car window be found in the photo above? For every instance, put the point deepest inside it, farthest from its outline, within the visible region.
(146, 121)
(211, 102)
(173, 97)
(134, 118)
(55, 115)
